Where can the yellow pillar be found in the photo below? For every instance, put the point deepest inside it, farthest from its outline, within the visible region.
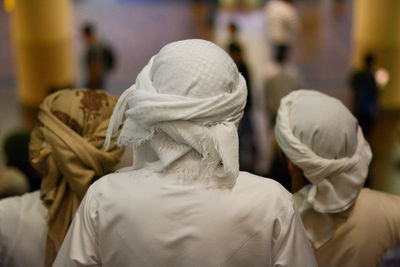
(376, 29)
(42, 36)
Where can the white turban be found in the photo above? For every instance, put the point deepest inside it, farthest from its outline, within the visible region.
(189, 97)
(320, 136)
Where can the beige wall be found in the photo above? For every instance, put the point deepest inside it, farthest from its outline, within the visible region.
(376, 29)
(42, 40)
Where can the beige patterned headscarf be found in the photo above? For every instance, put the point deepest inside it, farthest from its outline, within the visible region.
(67, 149)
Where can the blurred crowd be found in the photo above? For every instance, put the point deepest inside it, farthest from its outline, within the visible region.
(184, 136)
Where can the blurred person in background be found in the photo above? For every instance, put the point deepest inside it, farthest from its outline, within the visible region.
(328, 159)
(12, 183)
(283, 25)
(184, 200)
(16, 150)
(233, 37)
(99, 58)
(281, 78)
(67, 148)
(391, 257)
(365, 94)
(246, 141)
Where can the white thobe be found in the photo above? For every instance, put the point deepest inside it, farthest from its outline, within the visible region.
(23, 231)
(142, 218)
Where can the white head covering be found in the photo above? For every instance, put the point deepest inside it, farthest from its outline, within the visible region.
(321, 137)
(189, 97)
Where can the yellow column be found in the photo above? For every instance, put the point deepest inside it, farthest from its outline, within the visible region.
(376, 29)
(42, 36)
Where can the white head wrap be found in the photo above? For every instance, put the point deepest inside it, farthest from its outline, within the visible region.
(189, 97)
(321, 137)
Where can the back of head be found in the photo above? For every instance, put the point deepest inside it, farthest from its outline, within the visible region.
(67, 149)
(73, 123)
(234, 48)
(189, 98)
(193, 68)
(320, 136)
(235, 51)
(232, 28)
(369, 60)
(88, 30)
(324, 125)
(281, 54)
(16, 149)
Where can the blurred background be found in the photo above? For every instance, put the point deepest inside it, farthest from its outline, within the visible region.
(333, 43)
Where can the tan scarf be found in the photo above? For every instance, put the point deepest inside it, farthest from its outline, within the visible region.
(67, 149)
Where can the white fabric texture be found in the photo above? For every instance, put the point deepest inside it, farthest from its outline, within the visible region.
(146, 218)
(320, 136)
(168, 115)
(23, 231)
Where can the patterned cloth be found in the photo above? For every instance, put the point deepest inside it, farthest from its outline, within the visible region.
(67, 149)
(321, 137)
(170, 115)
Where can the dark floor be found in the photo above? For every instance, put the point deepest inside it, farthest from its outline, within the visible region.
(138, 29)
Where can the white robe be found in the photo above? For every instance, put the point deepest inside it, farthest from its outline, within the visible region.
(142, 218)
(23, 231)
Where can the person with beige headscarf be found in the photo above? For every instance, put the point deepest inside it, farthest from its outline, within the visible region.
(328, 159)
(67, 148)
(184, 201)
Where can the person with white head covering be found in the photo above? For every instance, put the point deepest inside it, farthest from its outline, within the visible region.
(184, 201)
(328, 159)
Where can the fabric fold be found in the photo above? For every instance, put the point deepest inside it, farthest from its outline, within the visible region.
(67, 149)
(188, 103)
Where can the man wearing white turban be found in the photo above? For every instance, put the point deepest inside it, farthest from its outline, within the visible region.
(184, 201)
(328, 159)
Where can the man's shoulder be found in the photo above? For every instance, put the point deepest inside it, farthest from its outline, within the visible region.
(260, 180)
(382, 203)
(22, 210)
(264, 198)
(375, 196)
(264, 188)
(109, 180)
(17, 202)
(118, 182)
